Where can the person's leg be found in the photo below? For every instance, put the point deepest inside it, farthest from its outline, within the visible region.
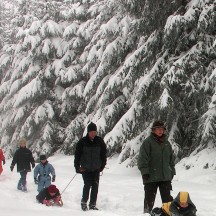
(95, 176)
(41, 184)
(19, 185)
(47, 182)
(150, 194)
(23, 180)
(86, 188)
(165, 188)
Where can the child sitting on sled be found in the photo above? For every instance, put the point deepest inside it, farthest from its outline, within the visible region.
(50, 196)
(180, 206)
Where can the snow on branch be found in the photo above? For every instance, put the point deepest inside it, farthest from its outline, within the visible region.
(32, 89)
(123, 128)
(43, 112)
(51, 29)
(35, 27)
(164, 99)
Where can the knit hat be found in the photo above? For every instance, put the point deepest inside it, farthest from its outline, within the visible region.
(43, 157)
(91, 127)
(52, 189)
(158, 124)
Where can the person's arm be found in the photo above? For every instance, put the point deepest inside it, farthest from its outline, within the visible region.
(2, 158)
(36, 171)
(144, 158)
(32, 161)
(103, 155)
(172, 162)
(52, 171)
(14, 161)
(77, 156)
(1, 155)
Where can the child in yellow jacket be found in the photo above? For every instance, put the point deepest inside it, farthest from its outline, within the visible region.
(180, 206)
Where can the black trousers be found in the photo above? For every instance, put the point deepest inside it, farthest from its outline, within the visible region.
(91, 181)
(150, 193)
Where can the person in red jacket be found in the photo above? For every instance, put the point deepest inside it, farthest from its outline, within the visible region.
(50, 196)
(2, 160)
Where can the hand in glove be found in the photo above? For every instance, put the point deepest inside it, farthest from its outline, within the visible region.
(35, 180)
(82, 169)
(3, 162)
(145, 177)
(53, 178)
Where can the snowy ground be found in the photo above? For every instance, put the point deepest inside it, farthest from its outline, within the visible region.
(120, 192)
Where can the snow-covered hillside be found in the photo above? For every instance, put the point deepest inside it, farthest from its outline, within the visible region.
(120, 191)
(113, 62)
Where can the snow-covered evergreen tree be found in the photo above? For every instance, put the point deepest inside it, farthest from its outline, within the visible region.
(115, 63)
(28, 92)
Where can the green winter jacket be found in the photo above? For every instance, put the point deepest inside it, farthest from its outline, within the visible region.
(156, 159)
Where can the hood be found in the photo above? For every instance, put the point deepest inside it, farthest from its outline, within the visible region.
(183, 197)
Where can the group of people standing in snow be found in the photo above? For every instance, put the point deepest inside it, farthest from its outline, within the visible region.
(24, 160)
(155, 162)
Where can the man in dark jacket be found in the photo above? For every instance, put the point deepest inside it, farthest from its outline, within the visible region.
(50, 196)
(156, 164)
(90, 160)
(23, 158)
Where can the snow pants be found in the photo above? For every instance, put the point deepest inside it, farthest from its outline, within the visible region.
(43, 182)
(150, 189)
(91, 181)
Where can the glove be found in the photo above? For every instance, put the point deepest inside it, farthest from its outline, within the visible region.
(46, 202)
(35, 180)
(82, 169)
(11, 168)
(145, 177)
(53, 178)
(3, 162)
(77, 170)
(33, 165)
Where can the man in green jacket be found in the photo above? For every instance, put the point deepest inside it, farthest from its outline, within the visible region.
(156, 164)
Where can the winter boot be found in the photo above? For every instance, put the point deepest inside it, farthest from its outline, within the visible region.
(19, 187)
(24, 188)
(93, 207)
(84, 206)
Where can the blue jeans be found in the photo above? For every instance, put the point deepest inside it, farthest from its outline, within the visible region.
(22, 182)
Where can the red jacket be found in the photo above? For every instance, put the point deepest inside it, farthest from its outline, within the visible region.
(2, 158)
